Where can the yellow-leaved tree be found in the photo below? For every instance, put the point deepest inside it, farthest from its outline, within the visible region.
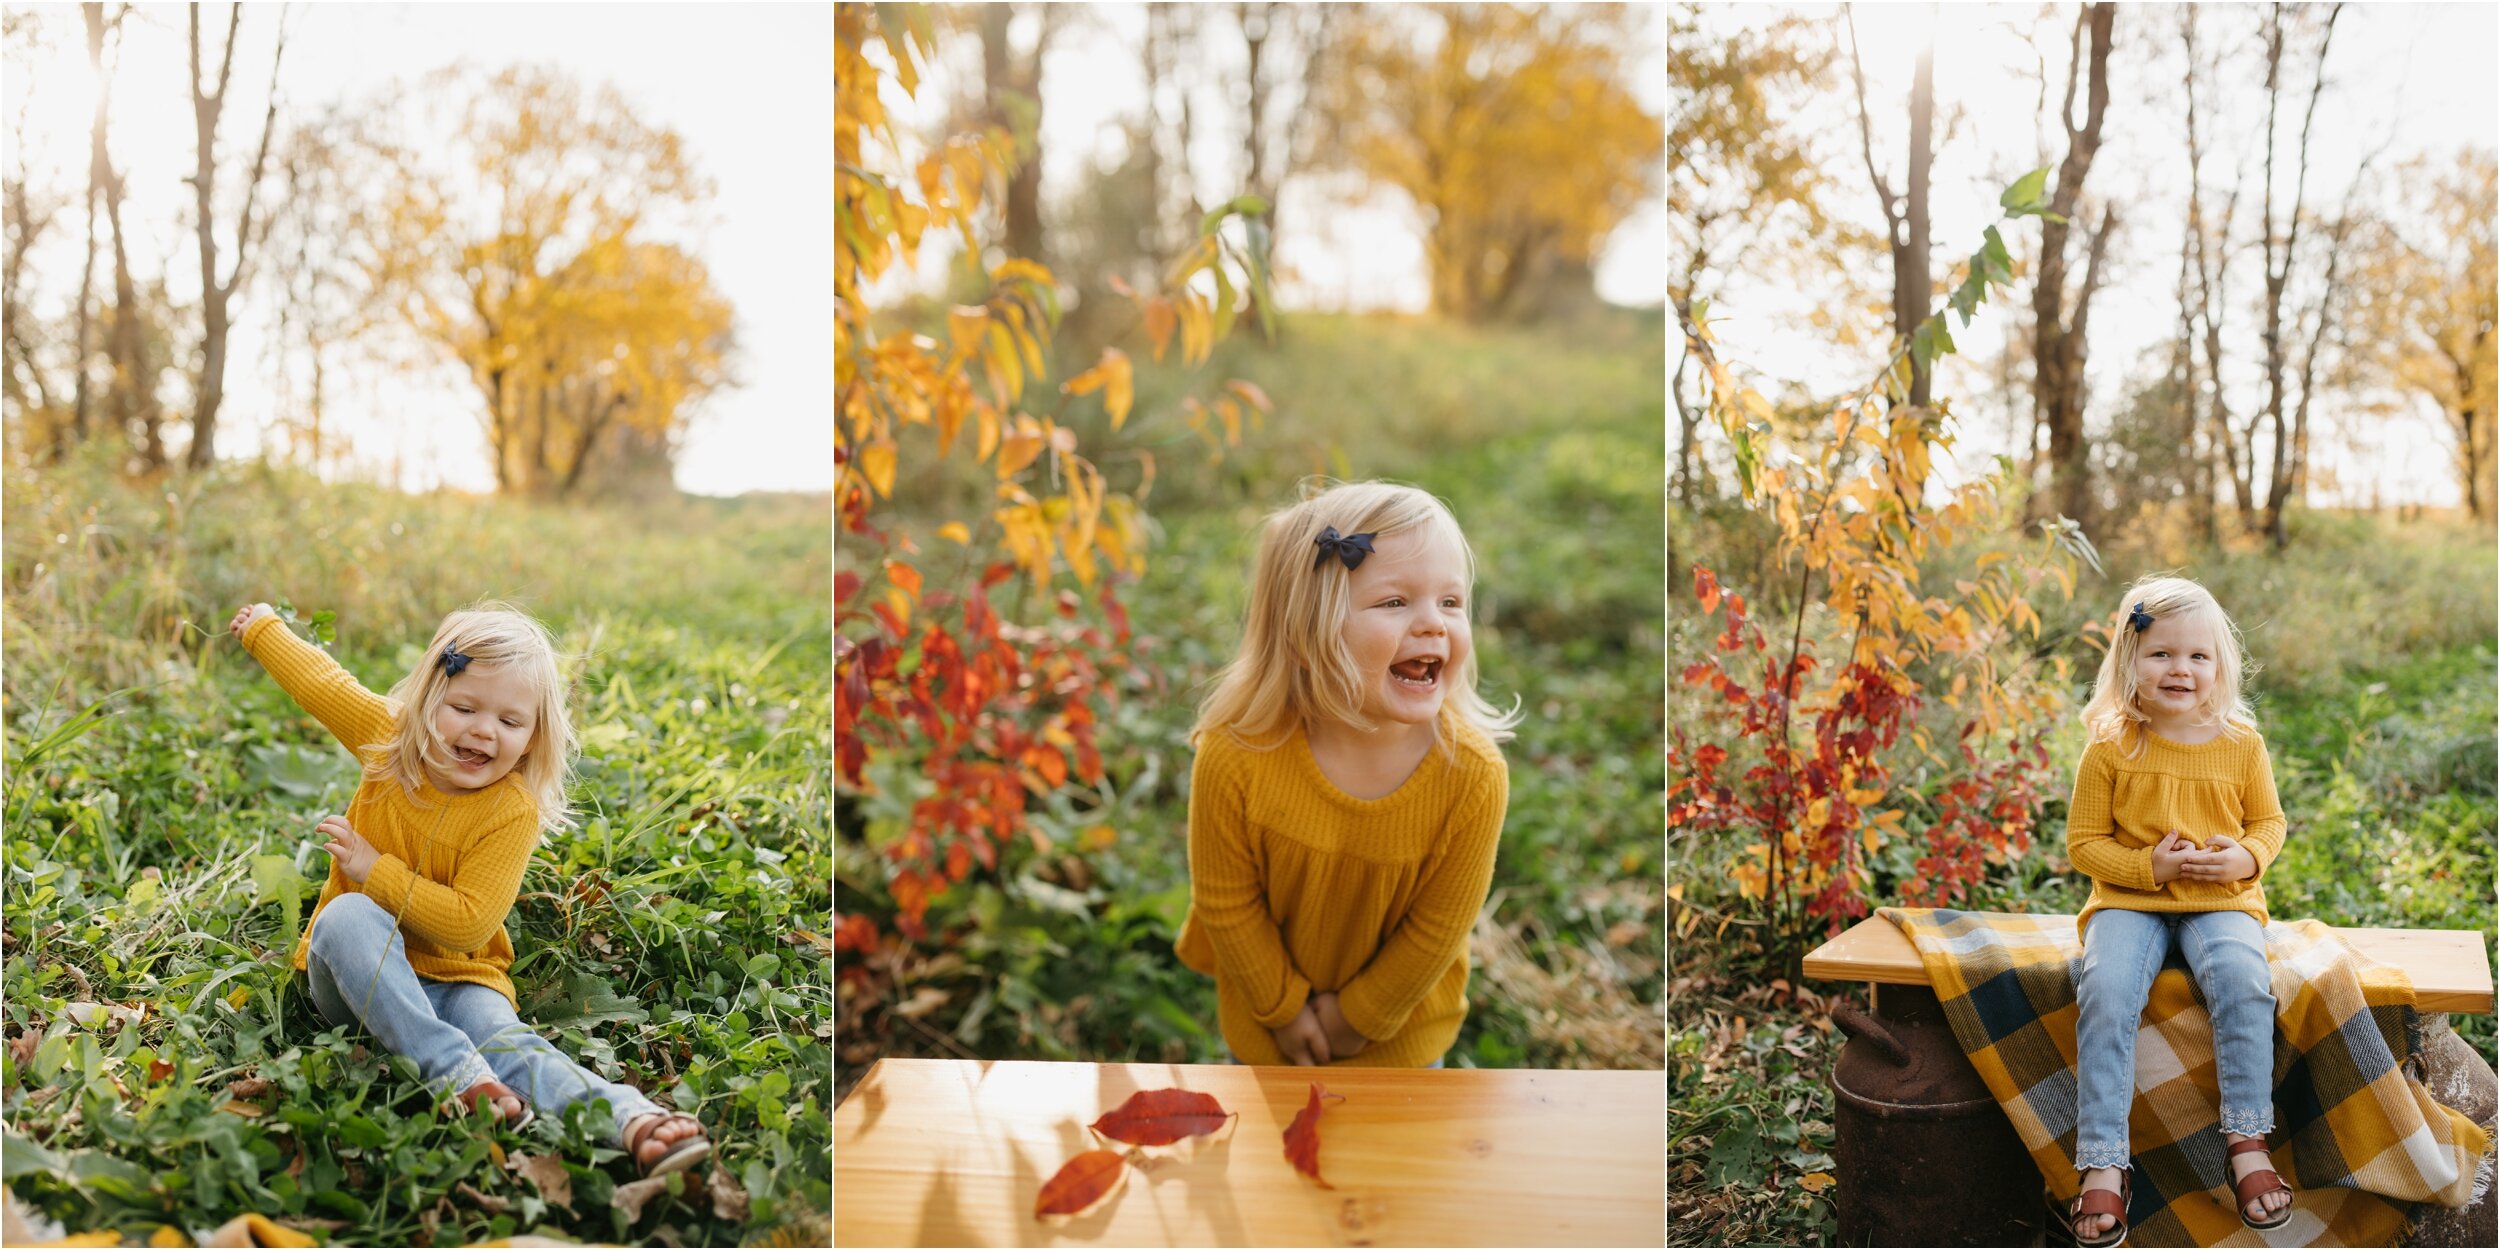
(514, 222)
(1513, 128)
(950, 718)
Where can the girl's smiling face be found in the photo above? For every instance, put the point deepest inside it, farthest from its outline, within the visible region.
(2175, 670)
(1406, 624)
(486, 721)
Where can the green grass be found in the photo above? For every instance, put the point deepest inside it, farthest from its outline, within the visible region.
(2376, 696)
(1546, 445)
(160, 800)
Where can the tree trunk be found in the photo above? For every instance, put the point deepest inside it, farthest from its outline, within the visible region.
(1004, 73)
(1911, 285)
(217, 294)
(2279, 264)
(99, 172)
(2058, 346)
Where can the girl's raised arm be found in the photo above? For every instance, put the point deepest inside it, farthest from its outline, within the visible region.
(356, 716)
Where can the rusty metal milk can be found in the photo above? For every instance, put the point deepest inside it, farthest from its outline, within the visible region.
(1925, 1157)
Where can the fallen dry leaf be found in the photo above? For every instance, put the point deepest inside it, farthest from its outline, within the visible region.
(95, 1014)
(22, 1047)
(1302, 1136)
(248, 1087)
(1815, 1182)
(159, 1069)
(1080, 1184)
(486, 1202)
(547, 1172)
(729, 1202)
(248, 1110)
(630, 1196)
(1159, 1117)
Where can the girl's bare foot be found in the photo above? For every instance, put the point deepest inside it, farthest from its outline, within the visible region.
(2098, 1178)
(656, 1136)
(2263, 1207)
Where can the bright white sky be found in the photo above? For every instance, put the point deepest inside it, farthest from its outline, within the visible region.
(2408, 78)
(1342, 249)
(749, 87)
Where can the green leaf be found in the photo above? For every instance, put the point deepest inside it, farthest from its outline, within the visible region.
(2024, 196)
(20, 1155)
(299, 771)
(763, 966)
(360, 1131)
(1736, 1155)
(1999, 263)
(583, 1001)
(276, 878)
(117, 1178)
(1246, 205)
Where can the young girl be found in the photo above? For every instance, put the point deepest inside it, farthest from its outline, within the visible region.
(2175, 819)
(464, 763)
(1348, 793)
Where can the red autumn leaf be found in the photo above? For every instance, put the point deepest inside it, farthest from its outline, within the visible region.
(1159, 1117)
(1302, 1136)
(1080, 1184)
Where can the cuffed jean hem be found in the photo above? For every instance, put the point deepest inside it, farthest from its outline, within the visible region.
(2253, 1123)
(2089, 1156)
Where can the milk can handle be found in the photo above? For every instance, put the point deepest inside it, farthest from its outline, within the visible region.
(1861, 1025)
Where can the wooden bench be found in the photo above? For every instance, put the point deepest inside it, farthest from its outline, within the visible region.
(943, 1152)
(2450, 968)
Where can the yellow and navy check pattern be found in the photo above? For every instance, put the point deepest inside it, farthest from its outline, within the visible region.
(2356, 1136)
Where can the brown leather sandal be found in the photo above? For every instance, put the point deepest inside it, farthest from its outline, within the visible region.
(2101, 1202)
(2256, 1185)
(483, 1096)
(685, 1154)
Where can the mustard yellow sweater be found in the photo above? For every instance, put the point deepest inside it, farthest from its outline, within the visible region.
(2124, 807)
(451, 863)
(1296, 887)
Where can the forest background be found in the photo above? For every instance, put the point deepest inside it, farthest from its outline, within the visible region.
(1984, 312)
(302, 306)
(1280, 241)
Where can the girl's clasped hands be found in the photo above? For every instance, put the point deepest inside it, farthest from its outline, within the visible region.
(1319, 1035)
(2221, 859)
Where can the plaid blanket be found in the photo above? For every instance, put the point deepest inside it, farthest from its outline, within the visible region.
(2357, 1137)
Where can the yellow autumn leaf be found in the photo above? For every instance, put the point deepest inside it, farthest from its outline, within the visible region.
(1100, 837)
(1815, 1182)
(1160, 318)
(1122, 391)
(954, 531)
(1017, 449)
(876, 460)
(965, 324)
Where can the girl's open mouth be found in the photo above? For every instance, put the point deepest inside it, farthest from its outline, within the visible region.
(474, 759)
(1423, 672)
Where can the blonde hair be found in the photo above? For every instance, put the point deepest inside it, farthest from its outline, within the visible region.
(493, 635)
(2112, 711)
(1293, 666)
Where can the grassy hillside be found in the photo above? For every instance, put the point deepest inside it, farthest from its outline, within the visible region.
(161, 794)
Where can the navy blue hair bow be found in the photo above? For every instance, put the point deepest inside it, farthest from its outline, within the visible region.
(453, 662)
(2138, 619)
(1350, 548)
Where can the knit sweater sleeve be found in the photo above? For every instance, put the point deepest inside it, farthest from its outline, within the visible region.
(357, 717)
(464, 914)
(1227, 894)
(1433, 934)
(2091, 833)
(2262, 825)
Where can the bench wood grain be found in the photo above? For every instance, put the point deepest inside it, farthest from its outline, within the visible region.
(942, 1152)
(2451, 968)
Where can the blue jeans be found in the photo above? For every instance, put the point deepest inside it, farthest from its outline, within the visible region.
(457, 1032)
(2122, 952)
